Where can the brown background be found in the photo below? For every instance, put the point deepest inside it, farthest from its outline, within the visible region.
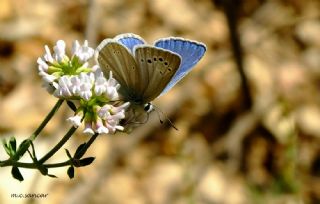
(225, 150)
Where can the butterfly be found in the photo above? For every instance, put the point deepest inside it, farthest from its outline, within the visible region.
(147, 71)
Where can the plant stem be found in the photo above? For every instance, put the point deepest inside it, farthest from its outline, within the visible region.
(34, 166)
(49, 154)
(65, 138)
(86, 146)
(38, 130)
(46, 120)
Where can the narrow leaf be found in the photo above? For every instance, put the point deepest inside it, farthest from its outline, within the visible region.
(68, 154)
(23, 148)
(6, 147)
(70, 172)
(80, 152)
(86, 161)
(16, 173)
(13, 143)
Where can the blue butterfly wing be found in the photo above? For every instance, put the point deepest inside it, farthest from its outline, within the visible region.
(129, 40)
(190, 51)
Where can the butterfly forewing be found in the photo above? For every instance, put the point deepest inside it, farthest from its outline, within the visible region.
(113, 56)
(156, 68)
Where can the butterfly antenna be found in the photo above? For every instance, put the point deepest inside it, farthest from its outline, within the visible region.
(166, 117)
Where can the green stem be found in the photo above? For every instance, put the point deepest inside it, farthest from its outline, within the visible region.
(38, 130)
(34, 166)
(49, 154)
(65, 138)
(86, 146)
(46, 120)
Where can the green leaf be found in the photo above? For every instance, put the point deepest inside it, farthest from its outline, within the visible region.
(52, 176)
(23, 147)
(13, 143)
(16, 173)
(80, 152)
(6, 147)
(70, 172)
(86, 161)
(72, 106)
(68, 154)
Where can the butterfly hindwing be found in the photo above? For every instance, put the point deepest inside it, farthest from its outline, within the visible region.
(113, 56)
(157, 67)
(190, 51)
(130, 40)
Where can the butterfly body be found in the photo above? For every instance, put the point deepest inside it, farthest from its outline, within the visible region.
(145, 71)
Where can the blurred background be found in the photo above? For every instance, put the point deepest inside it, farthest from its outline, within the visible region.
(248, 114)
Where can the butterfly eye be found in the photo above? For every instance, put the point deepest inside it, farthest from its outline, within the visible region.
(148, 107)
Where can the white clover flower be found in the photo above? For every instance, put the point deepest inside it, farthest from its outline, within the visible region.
(59, 51)
(43, 66)
(53, 66)
(64, 88)
(75, 120)
(75, 85)
(100, 128)
(101, 84)
(112, 115)
(47, 77)
(73, 79)
(88, 129)
(85, 89)
(48, 57)
(106, 121)
(83, 52)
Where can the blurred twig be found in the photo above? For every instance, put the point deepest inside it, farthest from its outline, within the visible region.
(230, 10)
(91, 27)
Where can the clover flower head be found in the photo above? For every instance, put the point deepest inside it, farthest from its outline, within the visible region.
(101, 120)
(98, 98)
(72, 78)
(53, 66)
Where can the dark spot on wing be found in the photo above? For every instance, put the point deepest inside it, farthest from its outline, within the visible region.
(149, 61)
(166, 63)
(169, 69)
(154, 59)
(142, 60)
(160, 59)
